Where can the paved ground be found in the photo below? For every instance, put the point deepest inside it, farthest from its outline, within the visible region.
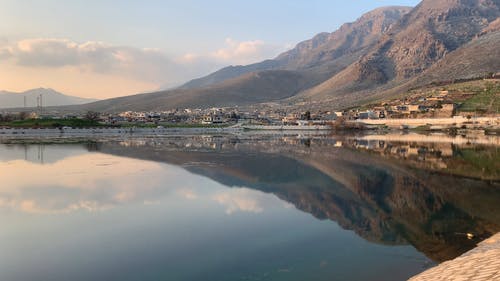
(482, 263)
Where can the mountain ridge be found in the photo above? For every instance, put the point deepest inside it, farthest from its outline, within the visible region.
(384, 51)
(50, 97)
(336, 45)
(350, 39)
(413, 45)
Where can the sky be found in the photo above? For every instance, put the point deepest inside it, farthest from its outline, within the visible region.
(109, 48)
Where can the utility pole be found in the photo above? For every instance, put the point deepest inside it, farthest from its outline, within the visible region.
(41, 104)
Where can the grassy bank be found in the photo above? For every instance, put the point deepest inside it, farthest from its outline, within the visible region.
(485, 100)
(82, 123)
(171, 125)
(50, 123)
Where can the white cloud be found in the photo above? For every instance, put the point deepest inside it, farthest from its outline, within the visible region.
(237, 52)
(244, 52)
(142, 64)
(146, 66)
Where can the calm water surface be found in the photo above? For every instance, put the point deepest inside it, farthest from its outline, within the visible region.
(242, 208)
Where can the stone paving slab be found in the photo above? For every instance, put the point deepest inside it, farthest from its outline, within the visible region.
(479, 264)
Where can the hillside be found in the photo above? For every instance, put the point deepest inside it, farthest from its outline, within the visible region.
(325, 54)
(230, 72)
(429, 33)
(250, 88)
(382, 54)
(475, 59)
(50, 97)
(350, 39)
(309, 63)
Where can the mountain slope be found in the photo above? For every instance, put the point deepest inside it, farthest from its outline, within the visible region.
(475, 59)
(230, 72)
(50, 97)
(348, 40)
(310, 63)
(424, 36)
(384, 52)
(250, 88)
(326, 53)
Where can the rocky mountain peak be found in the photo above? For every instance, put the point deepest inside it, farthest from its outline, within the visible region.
(349, 38)
(429, 32)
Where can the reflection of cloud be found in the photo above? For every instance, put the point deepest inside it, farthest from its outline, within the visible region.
(81, 182)
(187, 193)
(46, 206)
(96, 182)
(243, 199)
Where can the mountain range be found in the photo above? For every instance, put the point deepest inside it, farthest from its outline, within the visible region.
(381, 54)
(50, 97)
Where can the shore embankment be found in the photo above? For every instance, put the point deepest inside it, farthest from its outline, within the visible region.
(432, 138)
(457, 121)
(479, 264)
(76, 132)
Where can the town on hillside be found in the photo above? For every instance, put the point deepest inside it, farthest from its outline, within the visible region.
(433, 106)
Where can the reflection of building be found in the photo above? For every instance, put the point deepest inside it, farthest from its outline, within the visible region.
(433, 154)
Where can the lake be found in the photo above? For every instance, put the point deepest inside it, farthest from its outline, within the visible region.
(244, 207)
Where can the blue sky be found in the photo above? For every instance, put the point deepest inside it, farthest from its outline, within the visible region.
(188, 34)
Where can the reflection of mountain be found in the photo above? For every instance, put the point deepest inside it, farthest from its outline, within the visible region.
(381, 201)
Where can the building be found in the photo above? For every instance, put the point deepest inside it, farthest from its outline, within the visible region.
(213, 119)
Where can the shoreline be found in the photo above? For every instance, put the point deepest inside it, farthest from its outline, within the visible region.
(69, 132)
(110, 131)
(368, 138)
(480, 264)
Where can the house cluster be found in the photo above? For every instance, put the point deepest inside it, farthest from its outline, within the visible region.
(435, 105)
(177, 116)
(219, 116)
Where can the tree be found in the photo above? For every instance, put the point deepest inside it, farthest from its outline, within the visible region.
(92, 116)
(306, 115)
(234, 116)
(23, 115)
(340, 123)
(6, 118)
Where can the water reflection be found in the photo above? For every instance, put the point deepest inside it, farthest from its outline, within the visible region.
(469, 157)
(96, 182)
(429, 194)
(40, 154)
(398, 192)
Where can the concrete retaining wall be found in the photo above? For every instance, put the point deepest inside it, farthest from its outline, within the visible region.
(112, 131)
(457, 120)
(480, 264)
(418, 138)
